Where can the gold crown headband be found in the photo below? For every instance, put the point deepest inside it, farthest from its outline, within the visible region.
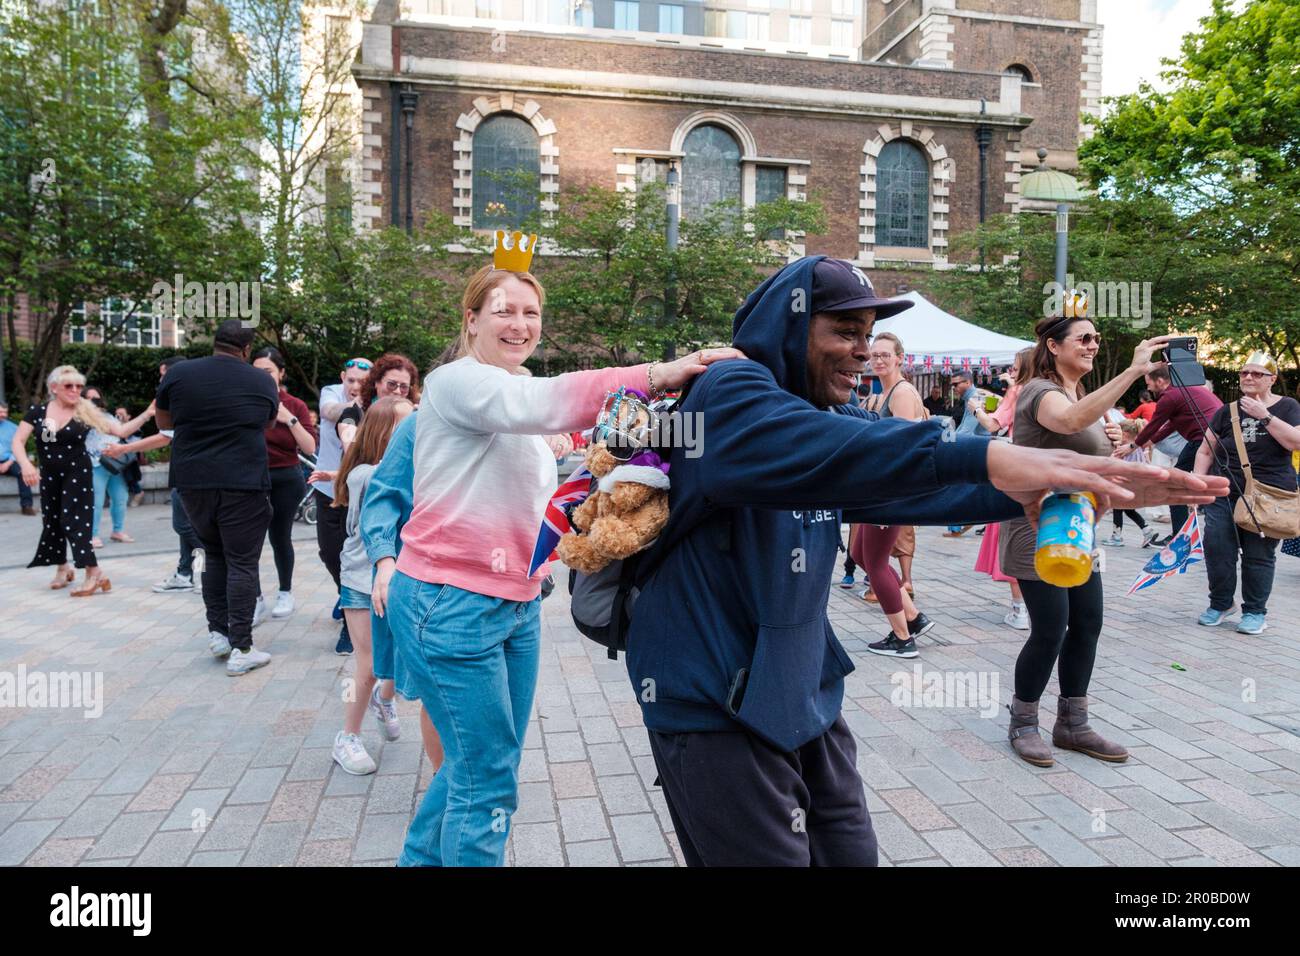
(1262, 359)
(1075, 305)
(513, 251)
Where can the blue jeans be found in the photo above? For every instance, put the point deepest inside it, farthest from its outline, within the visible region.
(116, 486)
(473, 661)
(11, 467)
(1223, 539)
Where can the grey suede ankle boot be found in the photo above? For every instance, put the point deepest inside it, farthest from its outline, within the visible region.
(1071, 732)
(1023, 734)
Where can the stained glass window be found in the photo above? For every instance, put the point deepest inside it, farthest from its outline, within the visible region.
(507, 172)
(710, 170)
(902, 197)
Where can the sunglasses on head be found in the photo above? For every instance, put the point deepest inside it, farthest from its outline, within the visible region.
(357, 363)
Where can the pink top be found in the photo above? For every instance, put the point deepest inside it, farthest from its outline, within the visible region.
(1005, 413)
(483, 475)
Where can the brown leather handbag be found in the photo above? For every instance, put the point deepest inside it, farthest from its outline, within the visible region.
(1263, 509)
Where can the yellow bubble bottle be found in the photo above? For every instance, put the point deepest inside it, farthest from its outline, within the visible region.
(1066, 531)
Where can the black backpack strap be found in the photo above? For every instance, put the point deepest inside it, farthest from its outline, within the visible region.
(618, 617)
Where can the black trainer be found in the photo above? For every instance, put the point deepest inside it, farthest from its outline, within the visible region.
(891, 646)
(919, 625)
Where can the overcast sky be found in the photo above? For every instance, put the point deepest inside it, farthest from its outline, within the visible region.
(1137, 34)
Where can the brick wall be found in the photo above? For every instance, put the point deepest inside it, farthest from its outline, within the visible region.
(1052, 54)
(587, 129)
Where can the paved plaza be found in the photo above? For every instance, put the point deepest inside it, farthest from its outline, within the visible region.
(186, 766)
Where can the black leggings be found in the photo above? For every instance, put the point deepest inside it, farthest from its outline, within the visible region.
(1135, 515)
(1064, 623)
(287, 489)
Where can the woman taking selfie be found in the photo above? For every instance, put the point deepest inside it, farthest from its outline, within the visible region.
(1053, 410)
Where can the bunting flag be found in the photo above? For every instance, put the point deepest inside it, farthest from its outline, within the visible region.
(965, 363)
(910, 360)
(985, 365)
(929, 363)
(555, 522)
(947, 365)
(1174, 558)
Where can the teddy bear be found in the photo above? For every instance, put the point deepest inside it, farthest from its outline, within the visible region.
(623, 515)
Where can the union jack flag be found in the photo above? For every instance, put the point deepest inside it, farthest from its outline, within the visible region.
(1174, 558)
(947, 364)
(555, 522)
(929, 362)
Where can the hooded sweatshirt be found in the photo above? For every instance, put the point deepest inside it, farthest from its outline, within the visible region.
(730, 630)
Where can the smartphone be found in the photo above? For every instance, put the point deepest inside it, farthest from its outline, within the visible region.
(1180, 353)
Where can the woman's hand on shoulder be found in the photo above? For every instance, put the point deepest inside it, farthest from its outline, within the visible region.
(669, 376)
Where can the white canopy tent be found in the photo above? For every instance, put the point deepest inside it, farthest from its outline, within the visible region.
(927, 330)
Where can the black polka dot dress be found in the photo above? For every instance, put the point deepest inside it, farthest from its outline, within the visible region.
(67, 492)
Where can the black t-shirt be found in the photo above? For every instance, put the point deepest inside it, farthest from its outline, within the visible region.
(1269, 461)
(220, 408)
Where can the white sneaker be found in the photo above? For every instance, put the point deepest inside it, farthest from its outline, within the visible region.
(241, 662)
(174, 582)
(259, 611)
(385, 712)
(1149, 534)
(1017, 618)
(1116, 540)
(350, 754)
(283, 604)
(218, 644)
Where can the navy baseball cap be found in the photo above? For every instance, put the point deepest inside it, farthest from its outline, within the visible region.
(839, 286)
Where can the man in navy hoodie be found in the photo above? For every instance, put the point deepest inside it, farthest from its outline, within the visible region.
(730, 650)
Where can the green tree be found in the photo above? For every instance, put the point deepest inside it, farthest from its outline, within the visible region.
(607, 283)
(1221, 147)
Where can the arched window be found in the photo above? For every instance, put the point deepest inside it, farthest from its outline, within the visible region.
(902, 197)
(507, 172)
(710, 168)
(1019, 69)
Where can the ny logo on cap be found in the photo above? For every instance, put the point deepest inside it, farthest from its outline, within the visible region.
(862, 278)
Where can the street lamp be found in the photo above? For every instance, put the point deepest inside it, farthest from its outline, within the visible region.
(670, 294)
(1053, 186)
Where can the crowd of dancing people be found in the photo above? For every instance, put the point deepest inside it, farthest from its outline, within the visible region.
(430, 494)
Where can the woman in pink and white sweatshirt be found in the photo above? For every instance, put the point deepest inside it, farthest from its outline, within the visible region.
(463, 609)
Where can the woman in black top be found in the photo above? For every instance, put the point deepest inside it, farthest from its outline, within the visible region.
(1270, 433)
(67, 486)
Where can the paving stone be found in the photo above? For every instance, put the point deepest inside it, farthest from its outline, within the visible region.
(582, 818)
(197, 808)
(536, 844)
(127, 835)
(959, 849)
(257, 785)
(639, 838)
(594, 853)
(20, 839)
(169, 848)
(337, 818)
(623, 794)
(60, 852)
(276, 844)
(1059, 845)
(382, 836)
